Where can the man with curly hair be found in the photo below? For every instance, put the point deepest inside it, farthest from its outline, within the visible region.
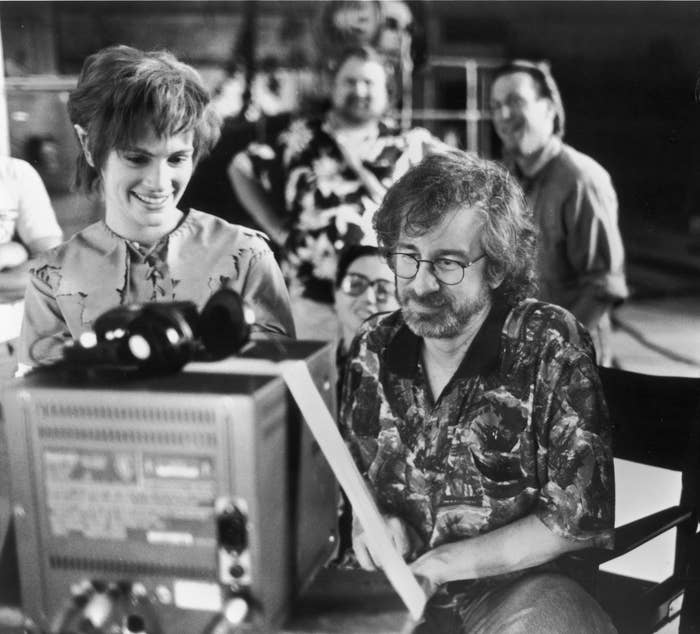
(333, 172)
(476, 412)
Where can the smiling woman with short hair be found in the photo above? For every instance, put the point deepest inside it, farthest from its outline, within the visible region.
(143, 120)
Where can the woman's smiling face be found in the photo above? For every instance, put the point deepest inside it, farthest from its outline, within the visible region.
(143, 183)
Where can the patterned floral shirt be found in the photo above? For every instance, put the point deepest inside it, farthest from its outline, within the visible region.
(325, 201)
(521, 428)
(74, 283)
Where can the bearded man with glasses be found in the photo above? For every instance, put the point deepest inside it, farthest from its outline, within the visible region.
(476, 413)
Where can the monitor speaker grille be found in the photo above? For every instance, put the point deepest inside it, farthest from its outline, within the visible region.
(163, 437)
(155, 424)
(130, 413)
(129, 569)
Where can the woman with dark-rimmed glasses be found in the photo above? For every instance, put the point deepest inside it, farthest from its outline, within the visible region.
(364, 285)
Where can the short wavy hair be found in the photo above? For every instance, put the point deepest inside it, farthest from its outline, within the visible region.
(123, 91)
(445, 183)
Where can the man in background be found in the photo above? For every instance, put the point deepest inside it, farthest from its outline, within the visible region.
(580, 254)
(332, 174)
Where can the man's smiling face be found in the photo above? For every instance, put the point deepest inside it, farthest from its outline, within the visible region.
(522, 118)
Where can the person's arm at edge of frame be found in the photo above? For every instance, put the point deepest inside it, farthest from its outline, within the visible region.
(37, 230)
(255, 199)
(14, 270)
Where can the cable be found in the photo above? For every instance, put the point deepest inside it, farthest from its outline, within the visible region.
(641, 338)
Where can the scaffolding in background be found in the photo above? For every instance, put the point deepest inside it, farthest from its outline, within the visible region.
(473, 121)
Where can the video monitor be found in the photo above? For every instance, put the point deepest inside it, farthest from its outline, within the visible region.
(162, 503)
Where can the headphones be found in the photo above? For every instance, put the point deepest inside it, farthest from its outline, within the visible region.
(161, 337)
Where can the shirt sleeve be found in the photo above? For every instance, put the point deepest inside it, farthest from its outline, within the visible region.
(44, 331)
(594, 245)
(266, 293)
(360, 403)
(577, 497)
(36, 219)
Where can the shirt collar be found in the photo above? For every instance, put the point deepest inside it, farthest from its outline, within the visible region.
(549, 151)
(403, 351)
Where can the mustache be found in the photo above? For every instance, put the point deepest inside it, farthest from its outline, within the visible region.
(353, 100)
(433, 300)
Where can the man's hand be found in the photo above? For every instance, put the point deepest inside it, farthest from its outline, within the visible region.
(399, 534)
(426, 573)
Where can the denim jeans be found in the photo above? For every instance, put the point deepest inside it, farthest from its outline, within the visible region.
(533, 603)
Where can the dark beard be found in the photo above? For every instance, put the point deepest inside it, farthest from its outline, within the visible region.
(357, 111)
(448, 321)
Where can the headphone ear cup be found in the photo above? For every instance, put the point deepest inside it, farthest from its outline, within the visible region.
(115, 321)
(224, 327)
(161, 339)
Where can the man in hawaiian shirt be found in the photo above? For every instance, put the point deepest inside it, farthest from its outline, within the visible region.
(475, 412)
(334, 173)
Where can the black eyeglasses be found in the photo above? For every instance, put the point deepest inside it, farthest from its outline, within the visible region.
(445, 270)
(355, 284)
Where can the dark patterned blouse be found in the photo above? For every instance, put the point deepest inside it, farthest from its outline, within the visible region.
(521, 428)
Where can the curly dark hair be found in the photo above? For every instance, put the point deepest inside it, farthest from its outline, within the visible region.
(445, 183)
(122, 91)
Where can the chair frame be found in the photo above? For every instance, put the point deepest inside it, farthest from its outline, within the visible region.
(656, 421)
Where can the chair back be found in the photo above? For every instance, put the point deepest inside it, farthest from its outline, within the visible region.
(654, 418)
(656, 421)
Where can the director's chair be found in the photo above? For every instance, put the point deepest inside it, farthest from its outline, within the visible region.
(656, 444)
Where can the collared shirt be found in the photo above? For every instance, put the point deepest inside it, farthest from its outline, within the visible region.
(327, 206)
(574, 205)
(521, 428)
(74, 283)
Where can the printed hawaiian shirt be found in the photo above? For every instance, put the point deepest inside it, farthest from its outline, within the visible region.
(326, 204)
(521, 428)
